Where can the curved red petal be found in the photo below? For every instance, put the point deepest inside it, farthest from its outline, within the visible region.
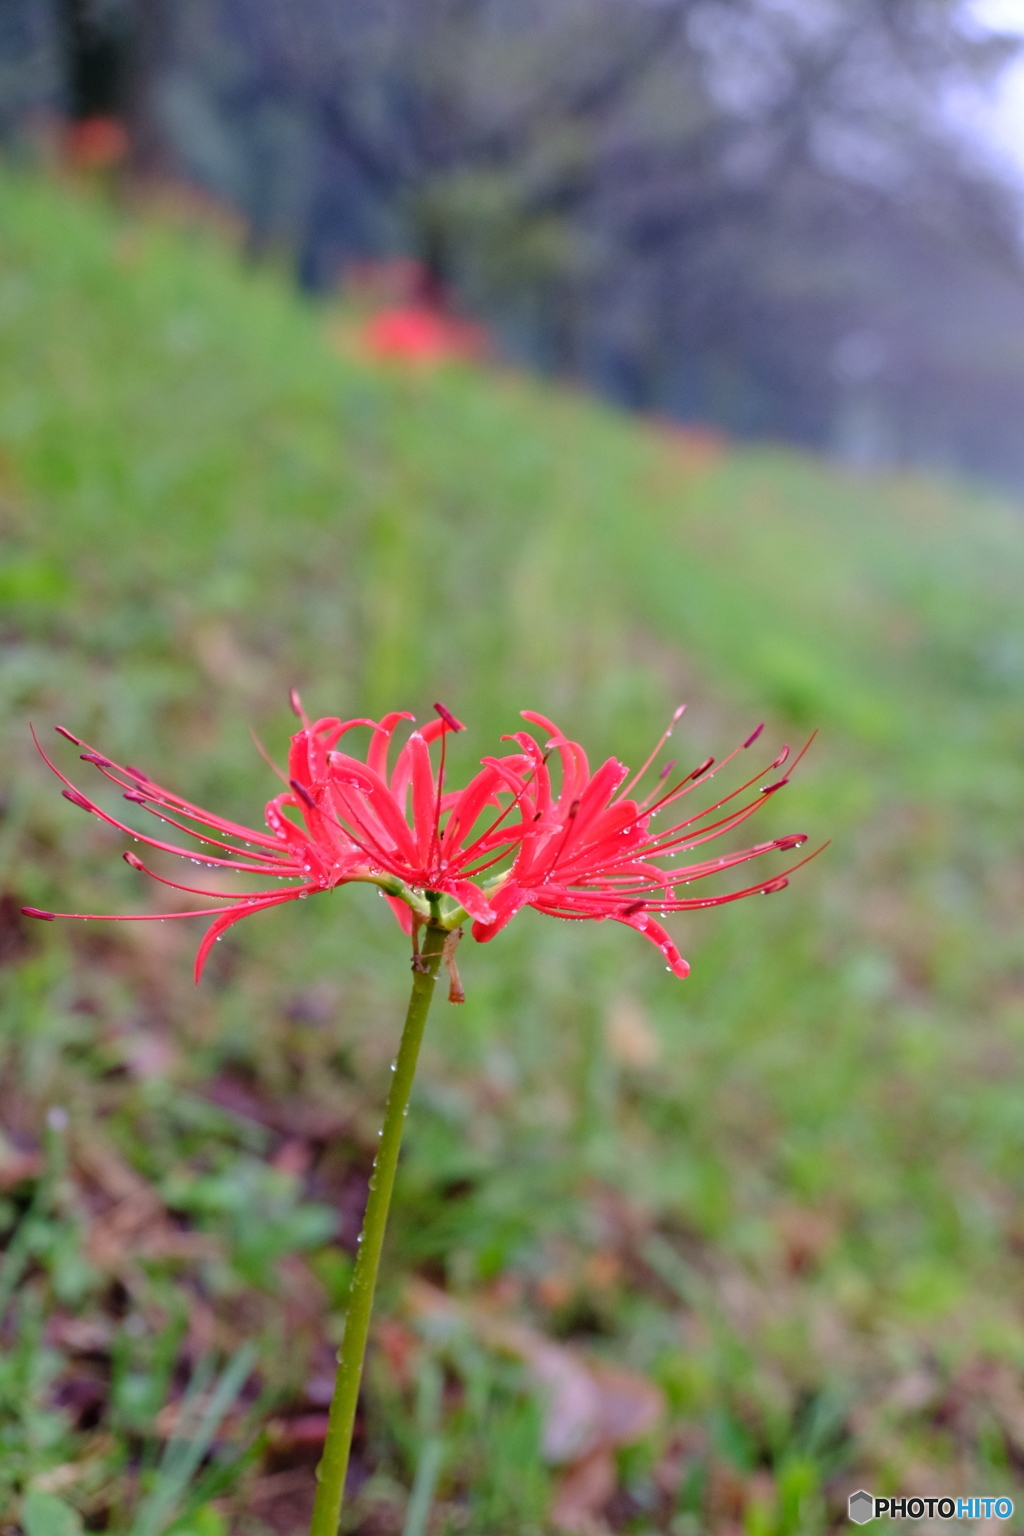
(234, 915)
(645, 924)
(473, 899)
(504, 904)
(402, 911)
(377, 756)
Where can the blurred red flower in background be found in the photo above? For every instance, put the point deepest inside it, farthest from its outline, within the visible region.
(93, 143)
(418, 334)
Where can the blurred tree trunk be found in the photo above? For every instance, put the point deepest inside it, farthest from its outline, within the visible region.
(112, 60)
(94, 57)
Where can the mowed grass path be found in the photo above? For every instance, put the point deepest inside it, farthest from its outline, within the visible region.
(790, 1190)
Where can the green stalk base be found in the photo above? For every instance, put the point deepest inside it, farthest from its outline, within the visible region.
(333, 1466)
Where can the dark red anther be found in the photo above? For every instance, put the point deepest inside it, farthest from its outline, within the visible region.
(667, 768)
(76, 799)
(703, 768)
(303, 794)
(769, 789)
(574, 810)
(449, 719)
(775, 885)
(794, 840)
(68, 737)
(46, 917)
(754, 735)
(133, 859)
(780, 759)
(134, 796)
(295, 702)
(633, 908)
(94, 757)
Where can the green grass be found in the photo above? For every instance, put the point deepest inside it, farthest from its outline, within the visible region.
(789, 1190)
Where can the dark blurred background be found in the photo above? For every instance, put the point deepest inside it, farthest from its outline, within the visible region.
(759, 215)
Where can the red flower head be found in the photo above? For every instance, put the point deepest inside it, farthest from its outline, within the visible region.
(587, 852)
(590, 851)
(341, 819)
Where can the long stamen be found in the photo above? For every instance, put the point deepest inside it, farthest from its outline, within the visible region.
(606, 903)
(267, 863)
(689, 783)
(377, 854)
(136, 787)
(235, 897)
(626, 882)
(668, 841)
(77, 798)
(478, 869)
(573, 812)
(775, 883)
(435, 836)
(261, 749)
(140, 917)
(661, 742)
(435, 840)
(470, 852)
(767, 789)
(303, 794)
(662, 776)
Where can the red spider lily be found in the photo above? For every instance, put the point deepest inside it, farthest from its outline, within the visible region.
(589, 852)
(352, 826)
(93, 143)
(418, 334)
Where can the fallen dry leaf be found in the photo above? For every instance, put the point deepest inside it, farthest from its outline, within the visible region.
(17, 1167)
(805, 1236)
(583, 1490)
(303, 1429)
(591, 1408)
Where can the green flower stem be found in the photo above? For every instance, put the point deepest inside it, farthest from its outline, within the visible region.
(334, 1463)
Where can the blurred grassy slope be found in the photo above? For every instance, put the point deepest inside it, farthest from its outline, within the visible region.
(203, 502)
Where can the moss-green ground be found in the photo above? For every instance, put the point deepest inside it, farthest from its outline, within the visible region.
(789, 1191)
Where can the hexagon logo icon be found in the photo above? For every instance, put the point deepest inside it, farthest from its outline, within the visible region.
(861, 1506)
